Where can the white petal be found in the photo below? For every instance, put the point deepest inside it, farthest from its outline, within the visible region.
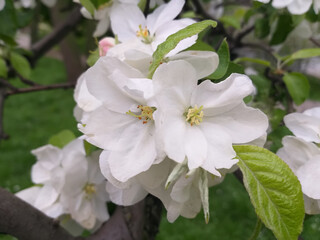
(311, 206)
(242, 123)
(164, 14)
(140, 155)
(29, 195)
(299, 6)
(106, 81)
(173, 130)
(39, 174)
(223, 96)
(281, 3)
(105, 128)
(178, 74)
(309, 176)
(128, 196)
(195, 146)
(55, 210)
(181, 190)
(94, 172)
(84, 99)
(296, 152)
(170, 28)
(125, 21)
(49, 3)
(46, 197)
(204, 62)
(220, 150)
(102, 27)
(48, 156)
(2, 4)
(304, 126)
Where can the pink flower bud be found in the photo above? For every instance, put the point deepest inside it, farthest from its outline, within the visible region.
(105, 44)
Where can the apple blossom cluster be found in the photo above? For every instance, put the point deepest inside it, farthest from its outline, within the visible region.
(68, 183)
(295, 6)
(170, 135)
(302, 153)
(167, 136)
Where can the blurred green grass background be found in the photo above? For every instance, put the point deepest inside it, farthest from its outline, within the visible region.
(32, 118)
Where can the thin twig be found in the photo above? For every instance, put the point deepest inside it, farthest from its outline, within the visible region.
(7, 84)
(261, 47)
(27, 81)
(314, 41)
(59, 33)
(2, 98)
(41, 88)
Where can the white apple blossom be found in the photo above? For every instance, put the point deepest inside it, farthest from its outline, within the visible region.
(69, 182)
(305, 125)
(304, 160)
(105, 44)
(295, 6)
(202, 122)
(129, 23)
(124, 122)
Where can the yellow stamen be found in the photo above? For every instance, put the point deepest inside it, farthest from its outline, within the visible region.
(90, 190)
(145, 115)
(194, 115)
(144, 34)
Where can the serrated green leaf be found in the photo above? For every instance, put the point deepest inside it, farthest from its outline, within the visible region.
(3, 68)
(93, 57)
(62, 138)
(298, 86)
(20, 64)
(88, 5)
(224, 60)
(274, 191)
(172, 41)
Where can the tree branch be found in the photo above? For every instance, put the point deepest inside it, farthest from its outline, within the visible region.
(46, 43)
(21, 220)
(41, 88)
(2, 98)
(24, 222)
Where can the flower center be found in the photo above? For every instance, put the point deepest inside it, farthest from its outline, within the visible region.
(145, 115)
(144, 34)
(194, 115)
(90, 190)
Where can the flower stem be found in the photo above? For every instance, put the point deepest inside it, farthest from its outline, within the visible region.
(256, 230)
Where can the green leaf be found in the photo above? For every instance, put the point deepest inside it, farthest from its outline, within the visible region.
(224, 60)
(305, 53)
(232, 68)
(142, 4)
(200, 46)
(93, 57)
(253, 60)
(298, 86)
(3, 68)
(262, 27)
(263, 86)
(62, 138)
(89, 148)
(88, 5)
(314, 88)
(20, 64)
(274, 191)
(284, 26)
(172, 41)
